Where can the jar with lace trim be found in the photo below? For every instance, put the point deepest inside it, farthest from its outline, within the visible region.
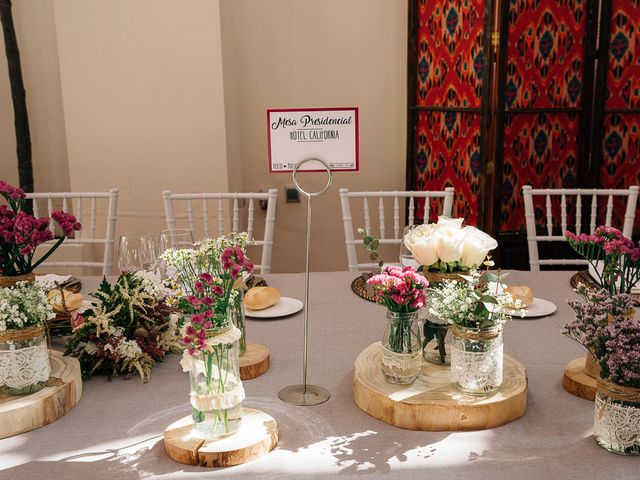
(401, 348)
(216, 389)
(616, 423)
(476, 359)
(24, 360)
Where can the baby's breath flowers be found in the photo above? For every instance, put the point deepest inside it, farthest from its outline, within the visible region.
(478, 302)
(24, 305)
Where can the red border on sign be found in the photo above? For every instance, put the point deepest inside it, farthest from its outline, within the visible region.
(333, 109)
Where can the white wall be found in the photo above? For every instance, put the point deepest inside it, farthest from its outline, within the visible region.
(143, 100)
(149, 95)
(305, 53)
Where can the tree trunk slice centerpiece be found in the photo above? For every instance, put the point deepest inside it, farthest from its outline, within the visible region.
(576, 381)
(255, 361)
(21, 413)
(257, 436)
(432, 402)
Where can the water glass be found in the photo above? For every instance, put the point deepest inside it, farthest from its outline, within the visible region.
(405, 256)
(178, 238)
(129, 254)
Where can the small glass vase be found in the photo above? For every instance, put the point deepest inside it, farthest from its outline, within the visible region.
(401, 348)
(616, 422)
(436, 343)
(216, 390)
(477, 359)
(24, 360)
(237, 315)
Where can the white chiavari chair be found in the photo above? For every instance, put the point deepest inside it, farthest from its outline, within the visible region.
(381, 232)
(87, 208)
(235, 209)
(580, 201)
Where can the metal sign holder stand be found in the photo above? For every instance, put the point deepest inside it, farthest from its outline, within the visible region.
(305, 394)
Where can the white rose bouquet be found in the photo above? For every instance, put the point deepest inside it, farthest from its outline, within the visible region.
(447, 246)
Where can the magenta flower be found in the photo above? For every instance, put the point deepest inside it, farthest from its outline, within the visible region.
(10, 192)
(67, 222)
(619, 257)
(21, 233)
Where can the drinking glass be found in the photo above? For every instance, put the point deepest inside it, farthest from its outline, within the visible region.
(150, 251)
(129, 253)
(406, 258)
(178, 238)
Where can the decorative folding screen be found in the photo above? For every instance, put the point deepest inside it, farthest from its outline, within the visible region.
(565, 123)
(448, 100)
(620, 164)
(542, 101)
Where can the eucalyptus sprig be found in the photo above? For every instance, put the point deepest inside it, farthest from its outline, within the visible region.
(371, 244)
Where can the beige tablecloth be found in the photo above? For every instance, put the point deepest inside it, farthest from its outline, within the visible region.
(116, 429)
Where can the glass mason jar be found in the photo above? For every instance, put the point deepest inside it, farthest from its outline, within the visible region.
(401, 348)
(24, 360)
(477, 359)
(237, 315)
(436, 343)
(616, 422)
(216, 389)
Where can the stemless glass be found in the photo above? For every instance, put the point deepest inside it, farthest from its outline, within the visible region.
(150, 251)
(177, 238)
(405, 256)
(129, 253)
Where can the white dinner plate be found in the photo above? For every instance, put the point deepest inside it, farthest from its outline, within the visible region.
(538, 308)
(286, 306)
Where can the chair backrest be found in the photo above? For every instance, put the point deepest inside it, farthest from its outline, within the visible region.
(351, 240)
(227, 207)
(84, 206)
(572, 203)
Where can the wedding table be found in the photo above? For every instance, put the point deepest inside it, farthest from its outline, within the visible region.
(116, 430)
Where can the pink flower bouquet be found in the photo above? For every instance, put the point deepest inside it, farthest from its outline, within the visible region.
(620, 255)
(399, 289)
(21, 233)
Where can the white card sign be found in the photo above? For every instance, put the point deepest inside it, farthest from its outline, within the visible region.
(330, 134)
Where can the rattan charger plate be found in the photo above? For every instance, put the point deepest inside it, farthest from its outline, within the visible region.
(359, 287)
(584, 277)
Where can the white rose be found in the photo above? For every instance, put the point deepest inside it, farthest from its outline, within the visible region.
(421, 242)
(449, 241)
(450, 222)
(476, 245)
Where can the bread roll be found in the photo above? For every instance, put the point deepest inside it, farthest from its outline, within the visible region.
(522, 293)
(259, 298)
(72, 301)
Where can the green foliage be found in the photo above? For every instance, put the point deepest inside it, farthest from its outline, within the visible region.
(371, 244)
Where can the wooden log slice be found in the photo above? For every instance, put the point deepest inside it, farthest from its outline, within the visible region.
(254, 362)
(576, 381)
(258, 434)
(21, 413)
(433, 402)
